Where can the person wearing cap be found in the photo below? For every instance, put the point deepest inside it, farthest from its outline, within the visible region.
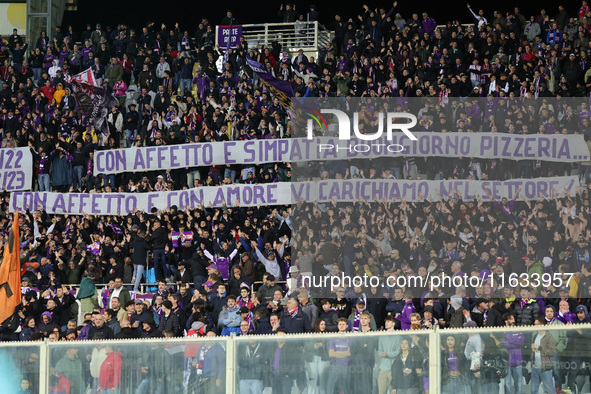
(140, 313)
(355, 317)
(269, 261)
(309, 308)
(267, 290)
(478, 314)
(526, 308)
(429, 321)
(294, 280)
(578, 347)
(248, 318)
(563, 295)
(182, 275)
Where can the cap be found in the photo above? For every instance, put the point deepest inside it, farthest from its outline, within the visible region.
(470, 324)
(244, 310)
(572, 54)
(428, 308)
(530, 256)
(212, 267)
(361, 301)
(293, 269)
(135, 227)
(581, 308)
(564, 289)
(138, 301)
(480, 301)
(160, 177)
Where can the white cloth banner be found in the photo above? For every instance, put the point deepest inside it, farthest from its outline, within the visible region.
(285, 193)
(554, 147)
(16, 169)
(124, 203)
(418, 190)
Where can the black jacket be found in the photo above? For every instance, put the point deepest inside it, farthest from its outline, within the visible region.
(494, 318)
(159, 238)
(141, 247)
(104, 329)
(170, 323)
(263, 326)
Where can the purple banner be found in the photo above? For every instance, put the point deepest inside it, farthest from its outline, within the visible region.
(229, 35)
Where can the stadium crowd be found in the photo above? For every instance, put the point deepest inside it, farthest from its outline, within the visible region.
(207, 261)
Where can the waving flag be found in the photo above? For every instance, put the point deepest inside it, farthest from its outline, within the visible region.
(86, 77)
(10, 273)
(94, 101)
(94, 248)
(116, 229)
(279, 88)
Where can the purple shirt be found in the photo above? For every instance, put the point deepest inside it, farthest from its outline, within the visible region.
(340, 345)
(452, 362)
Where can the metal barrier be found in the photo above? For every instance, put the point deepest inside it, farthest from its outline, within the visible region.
(308, 36)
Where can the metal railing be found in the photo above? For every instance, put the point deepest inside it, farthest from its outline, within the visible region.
(308, 36)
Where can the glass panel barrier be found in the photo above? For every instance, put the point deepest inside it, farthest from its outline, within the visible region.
(138, 367)
(533, 359)
(544, 359)
(20, 365)
(329, 363)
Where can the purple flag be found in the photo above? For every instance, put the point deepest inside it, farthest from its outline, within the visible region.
(94, 248)
(116, 229)
(95, 103)
(280, 89)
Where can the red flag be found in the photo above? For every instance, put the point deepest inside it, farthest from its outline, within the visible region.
(10, 273)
